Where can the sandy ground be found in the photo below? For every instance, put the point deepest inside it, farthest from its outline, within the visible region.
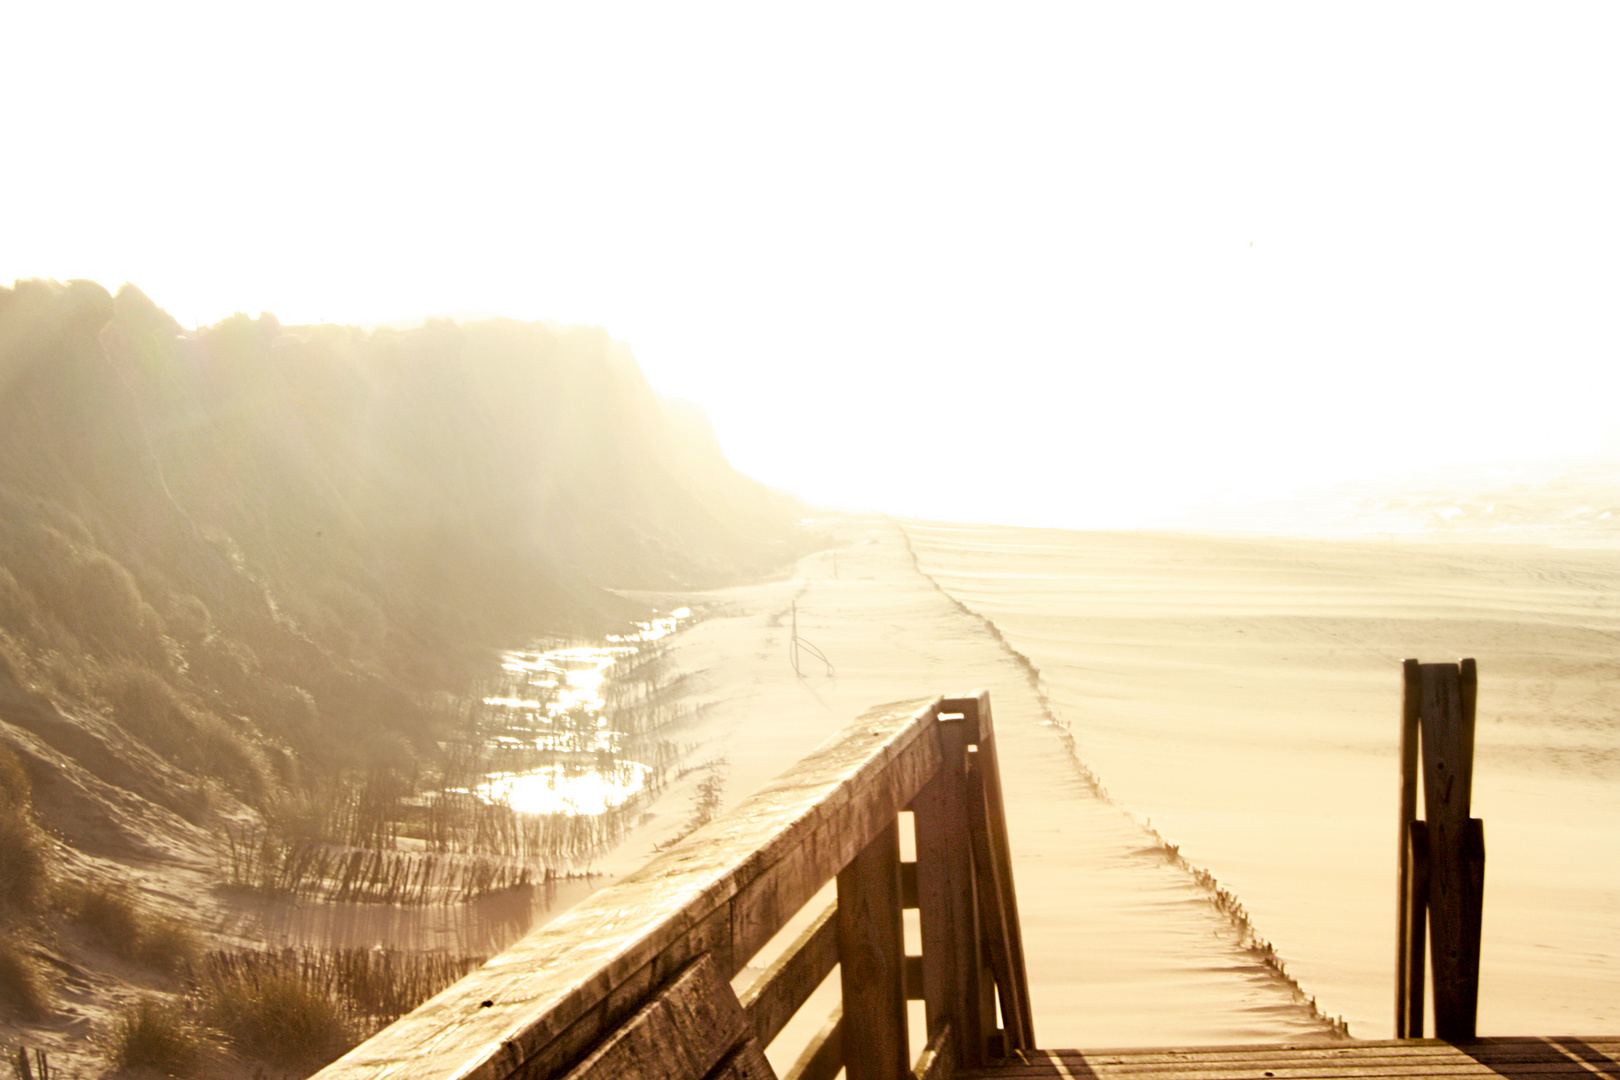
(1244, 694)
(1238, 699)
(1125, 947)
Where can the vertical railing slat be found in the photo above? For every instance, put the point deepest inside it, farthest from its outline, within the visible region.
(871, 962)
(1015, 1006)
(946, 906)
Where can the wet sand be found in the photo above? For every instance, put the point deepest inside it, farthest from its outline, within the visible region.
(1237, 699)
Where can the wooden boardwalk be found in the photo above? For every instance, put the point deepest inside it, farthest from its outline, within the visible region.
(637, 981)
(1569, 1058)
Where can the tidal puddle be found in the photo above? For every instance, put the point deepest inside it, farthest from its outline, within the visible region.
(554, 744)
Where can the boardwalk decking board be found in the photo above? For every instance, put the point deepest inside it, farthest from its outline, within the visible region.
(1570, 1058)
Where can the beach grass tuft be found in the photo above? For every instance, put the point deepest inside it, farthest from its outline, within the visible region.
(273, 1013)
(24, 990)
(25, 860)
(111, 914)
(157, 1035)
(301, 1008)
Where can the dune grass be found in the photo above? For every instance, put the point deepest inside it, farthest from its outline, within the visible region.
(115, 917)
(24, 990)
(299, 1009)
(157, 1035)
(25, 853)
(277, 1014)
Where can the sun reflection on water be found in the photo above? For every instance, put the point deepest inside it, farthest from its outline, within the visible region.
(558, 789)
(552, 706)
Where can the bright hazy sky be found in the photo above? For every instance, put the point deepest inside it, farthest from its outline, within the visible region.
(1065, 263)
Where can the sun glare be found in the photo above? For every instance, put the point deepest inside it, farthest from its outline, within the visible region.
(1055, 264)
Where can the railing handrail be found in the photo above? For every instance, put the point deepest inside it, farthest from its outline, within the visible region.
(671, 935)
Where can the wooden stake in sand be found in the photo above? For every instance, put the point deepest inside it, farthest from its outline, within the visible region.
(1441, 880)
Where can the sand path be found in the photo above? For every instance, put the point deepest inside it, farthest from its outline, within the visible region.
(1125, 946)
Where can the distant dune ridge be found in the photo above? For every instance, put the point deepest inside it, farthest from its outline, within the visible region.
(306, 526)
(237, 560)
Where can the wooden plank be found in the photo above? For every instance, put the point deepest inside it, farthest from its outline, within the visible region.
(1016, 1009)
(1416, 928)
(947, 907)
(681, 1034)
(914, 979)
(994, 936)
(871, 962)
(1411, 697)
(1454, 905)
(777, 994)
(1519, 1057)
(824, 1055)
(1513, 1045)
(938, 1059)
(747, 1062)
(908, 884)
(1036, 1067)
(725, 890)
(1468, 687)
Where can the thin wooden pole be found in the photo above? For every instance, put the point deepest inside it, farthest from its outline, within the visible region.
(1404, 914)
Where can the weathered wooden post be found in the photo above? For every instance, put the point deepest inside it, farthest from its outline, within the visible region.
(872, 961)
(1442, 857)
(998, 901)
(953, 967)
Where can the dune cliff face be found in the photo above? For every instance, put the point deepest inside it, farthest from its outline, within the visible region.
(253, 547)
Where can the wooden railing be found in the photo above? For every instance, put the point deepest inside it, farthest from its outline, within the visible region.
(636, 980)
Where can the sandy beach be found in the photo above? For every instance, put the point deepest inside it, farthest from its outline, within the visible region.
(1237, 701)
